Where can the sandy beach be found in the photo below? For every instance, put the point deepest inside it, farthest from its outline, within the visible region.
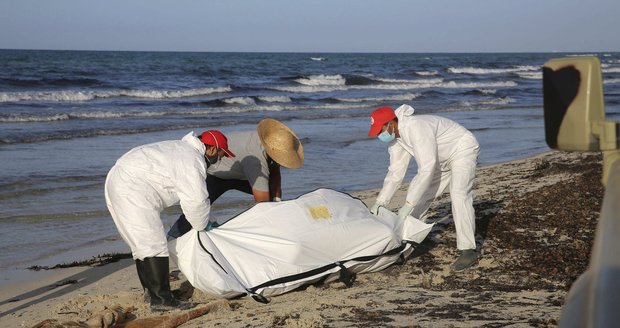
(535, 226)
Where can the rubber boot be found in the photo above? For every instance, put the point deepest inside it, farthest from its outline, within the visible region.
(467, 258)
(158, 285)
(142, 277)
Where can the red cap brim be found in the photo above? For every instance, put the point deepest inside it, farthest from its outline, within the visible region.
(375, 129)
(228, 152)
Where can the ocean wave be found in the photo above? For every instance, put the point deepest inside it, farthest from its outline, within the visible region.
(582, 55)
(87, 133)
(80, 115)
(403, 97)
(611, 81)
(164, 94)
(33, 118)
(107, 115)
(276, 99)
(481, 71)
(442, 85)
(318, 58)
(338, 80)
(530, 75)
(321, 80)
(343, 106)
(427, 73)
(69, 96)
(78, 96)
(611, 70)
(432, 83)
(308, 88)
(240, 101)
(418, 81)
(493, 102)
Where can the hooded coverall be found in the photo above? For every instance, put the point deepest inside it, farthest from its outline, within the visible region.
(446, 155)
(148, 179)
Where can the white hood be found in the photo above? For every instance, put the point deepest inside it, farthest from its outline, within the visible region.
(404, 110)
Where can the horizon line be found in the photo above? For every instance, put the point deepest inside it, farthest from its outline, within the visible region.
(316, 52)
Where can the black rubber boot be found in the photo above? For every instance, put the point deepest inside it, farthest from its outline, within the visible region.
(142, 277)
(158, 285)
(467, 258)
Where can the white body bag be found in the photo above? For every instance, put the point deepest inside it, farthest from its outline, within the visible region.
(275, 247)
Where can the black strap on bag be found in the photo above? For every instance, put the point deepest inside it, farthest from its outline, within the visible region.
(346, 276)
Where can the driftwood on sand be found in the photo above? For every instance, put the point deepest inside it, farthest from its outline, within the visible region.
(106, 318)
(173, 320)
(114, 316)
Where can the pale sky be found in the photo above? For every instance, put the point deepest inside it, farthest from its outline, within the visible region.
(312, 26)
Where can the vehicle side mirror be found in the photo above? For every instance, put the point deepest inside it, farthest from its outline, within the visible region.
(574, 106)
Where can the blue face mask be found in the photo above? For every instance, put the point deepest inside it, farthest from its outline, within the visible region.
(385, 136)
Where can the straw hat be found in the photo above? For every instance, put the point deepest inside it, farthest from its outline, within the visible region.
(280, 143)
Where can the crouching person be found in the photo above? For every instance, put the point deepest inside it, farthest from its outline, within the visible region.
(144, 182)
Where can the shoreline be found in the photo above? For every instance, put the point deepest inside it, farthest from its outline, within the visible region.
(398, 295)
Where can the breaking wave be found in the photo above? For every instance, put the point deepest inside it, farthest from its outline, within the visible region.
(530, 75)
(435, 83)
(77, 96)
(321, 80)
(479, 71)
(427, 73)
(275, 99)
(403, 97)
(491, 102)
(240, 101)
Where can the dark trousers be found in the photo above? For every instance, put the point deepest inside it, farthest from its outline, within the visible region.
(216, 187)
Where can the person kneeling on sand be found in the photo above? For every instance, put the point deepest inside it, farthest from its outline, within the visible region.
(255, 169)
(446, 155)
(148, 179)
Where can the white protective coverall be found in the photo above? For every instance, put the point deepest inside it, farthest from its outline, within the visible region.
(148, 179)
(446, 155)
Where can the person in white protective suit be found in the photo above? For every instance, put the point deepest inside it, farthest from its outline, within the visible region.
(446, 154)
(144, 182)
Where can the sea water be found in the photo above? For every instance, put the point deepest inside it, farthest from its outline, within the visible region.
(66, 117)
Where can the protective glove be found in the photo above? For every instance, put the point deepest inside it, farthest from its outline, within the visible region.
(404, 211)
(375, 208)
(211, 225)
(277, 199)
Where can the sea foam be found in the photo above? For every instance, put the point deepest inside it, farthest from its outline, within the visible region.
(322, 79)
(483, 71)
(78, 96)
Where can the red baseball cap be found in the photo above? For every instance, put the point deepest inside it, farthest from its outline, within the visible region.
(217, 139)
(378, 118)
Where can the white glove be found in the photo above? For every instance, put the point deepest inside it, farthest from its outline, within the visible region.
(375, 208)
(277, 199)
(404, 211)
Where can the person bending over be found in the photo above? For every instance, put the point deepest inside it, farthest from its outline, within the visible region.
(446, 154)
(144, 182)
